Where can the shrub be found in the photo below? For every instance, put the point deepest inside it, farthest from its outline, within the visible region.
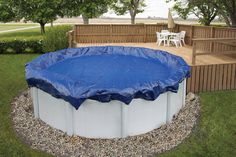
(55, 38)
(21, 46)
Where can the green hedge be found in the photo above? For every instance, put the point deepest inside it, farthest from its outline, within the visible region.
(55, 38)
(17, 46)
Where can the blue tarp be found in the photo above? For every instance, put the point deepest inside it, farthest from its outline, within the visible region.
(106, 73)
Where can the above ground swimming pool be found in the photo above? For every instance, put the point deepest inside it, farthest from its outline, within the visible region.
(107, 91)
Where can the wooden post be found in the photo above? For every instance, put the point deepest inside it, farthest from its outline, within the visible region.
(69, 38)
(194, 53)
(177, 28)
(212, 36)
(145, 33)
(111, 41)
(191, 34)
(75, 36)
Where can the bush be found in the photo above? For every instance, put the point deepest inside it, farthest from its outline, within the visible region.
(55, 38)
(17, 46)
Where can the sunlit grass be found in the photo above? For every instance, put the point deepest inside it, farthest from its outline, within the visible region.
(215, 135)
(23, 34)
(7, 26)
(12, 81)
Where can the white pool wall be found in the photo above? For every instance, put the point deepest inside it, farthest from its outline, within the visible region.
(115, 119)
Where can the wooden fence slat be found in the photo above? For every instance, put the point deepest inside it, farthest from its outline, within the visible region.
(225, 77)
(193, 77)
(221, 76)
(197, 78)
(209, 77)
(233, 77)
(217, 80)
(205, 78)
(201, 78)
(228, 76)
(213, 78)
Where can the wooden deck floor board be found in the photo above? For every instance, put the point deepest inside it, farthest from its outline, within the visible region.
(184, 52)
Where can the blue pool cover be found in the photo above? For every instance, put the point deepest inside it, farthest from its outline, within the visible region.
(106, 73)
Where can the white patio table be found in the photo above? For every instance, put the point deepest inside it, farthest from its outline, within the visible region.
(169, 35)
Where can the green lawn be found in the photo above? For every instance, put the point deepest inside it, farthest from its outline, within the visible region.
(7, 26)
(12, 82)
(215, 136)
(23, 34)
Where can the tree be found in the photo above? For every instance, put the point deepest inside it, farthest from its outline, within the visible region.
(226, 9)
(39, 11)
(134, 7)
(87, 8)
(204, 12)
(6, 12)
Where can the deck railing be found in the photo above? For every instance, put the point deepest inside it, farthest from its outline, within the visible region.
(114, 33)
(213, 46)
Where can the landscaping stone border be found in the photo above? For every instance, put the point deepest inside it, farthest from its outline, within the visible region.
(42, 137)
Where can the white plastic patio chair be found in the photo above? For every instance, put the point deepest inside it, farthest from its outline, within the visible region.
(176, 40)
(161, 38)
(182, 36)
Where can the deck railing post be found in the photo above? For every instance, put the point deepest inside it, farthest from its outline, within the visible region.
(191, 34)
(194, 53)
(111, 31)
(145, 33)
(212, 36)
(75, 33)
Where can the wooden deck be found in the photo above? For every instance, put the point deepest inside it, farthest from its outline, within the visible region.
(210, 69)
(210, 73)
(184, 52)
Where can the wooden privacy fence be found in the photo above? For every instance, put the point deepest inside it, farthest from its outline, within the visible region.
(118, 33)
(206, 78)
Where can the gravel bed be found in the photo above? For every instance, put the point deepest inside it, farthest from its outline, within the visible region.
(42, 137)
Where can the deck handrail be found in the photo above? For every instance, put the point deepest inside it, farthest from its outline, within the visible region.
(213, 39)
(226, 41)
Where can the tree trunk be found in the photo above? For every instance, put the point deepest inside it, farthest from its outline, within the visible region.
(132, 15)
(85, 19)
(132, 19)
(233, 20)
(234, 23)
(51, 23)
(207, 23)
(222, 13)
(42, 27)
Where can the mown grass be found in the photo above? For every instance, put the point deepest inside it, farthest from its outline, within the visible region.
(12, 81)
(215, 135)
(10, 26)
(23, 34)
